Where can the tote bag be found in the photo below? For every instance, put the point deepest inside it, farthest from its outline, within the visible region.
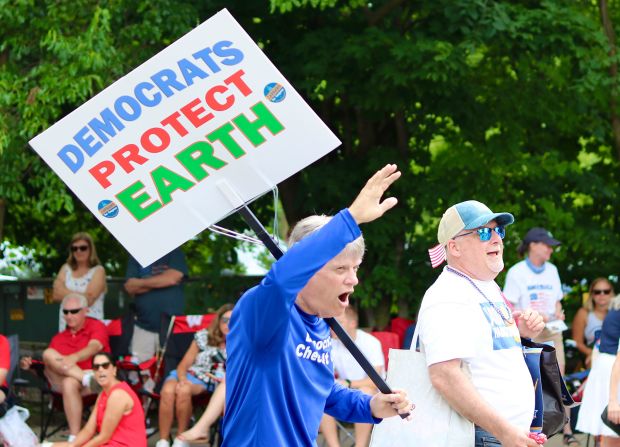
(555, 394)
(13, 430)
(434, 423)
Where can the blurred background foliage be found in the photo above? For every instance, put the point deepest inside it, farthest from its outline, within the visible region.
(511, 102)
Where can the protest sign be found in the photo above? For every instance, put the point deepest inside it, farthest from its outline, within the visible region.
(157, 155)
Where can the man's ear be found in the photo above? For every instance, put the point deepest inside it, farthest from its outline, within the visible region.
(452, 248)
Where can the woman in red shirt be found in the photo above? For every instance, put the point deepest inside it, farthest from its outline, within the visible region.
(118, 418)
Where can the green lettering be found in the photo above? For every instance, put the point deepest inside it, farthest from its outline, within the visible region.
(264, 118)
(134, 202)
(223, 135)
(167, 182)
(196, 156)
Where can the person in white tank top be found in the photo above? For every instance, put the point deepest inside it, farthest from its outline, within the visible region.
(589, 318)
(82, 273)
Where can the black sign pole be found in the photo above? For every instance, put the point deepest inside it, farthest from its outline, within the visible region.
(277, 253)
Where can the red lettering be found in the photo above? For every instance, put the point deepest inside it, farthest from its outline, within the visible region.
(161, 134)
(236, 80)
(212, 101)
(127, 154)
(101, 171)
(173, 120)
(193, 111)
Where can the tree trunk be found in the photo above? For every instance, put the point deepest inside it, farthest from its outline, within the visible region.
(613, 72)
(2, 212)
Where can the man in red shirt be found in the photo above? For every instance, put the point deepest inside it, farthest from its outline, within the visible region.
(68, 358)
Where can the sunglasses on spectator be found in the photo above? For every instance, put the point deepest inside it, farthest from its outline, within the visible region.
(104, 365)
(601, 291)
(225, 320)
(485, 233)
(71, 311)
(75, 248)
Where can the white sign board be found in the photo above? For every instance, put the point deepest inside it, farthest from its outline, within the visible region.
(153, 155)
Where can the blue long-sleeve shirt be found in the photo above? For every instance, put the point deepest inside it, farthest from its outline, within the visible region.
(280, 377)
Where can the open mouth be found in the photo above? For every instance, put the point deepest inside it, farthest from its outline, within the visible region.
(344, 298)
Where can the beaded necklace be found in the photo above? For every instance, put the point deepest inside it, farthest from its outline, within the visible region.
(508, 321)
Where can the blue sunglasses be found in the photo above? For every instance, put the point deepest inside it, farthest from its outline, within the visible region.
(485, 233)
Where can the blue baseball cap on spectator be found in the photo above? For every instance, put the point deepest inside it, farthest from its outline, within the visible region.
(467, 216)
(537, 234)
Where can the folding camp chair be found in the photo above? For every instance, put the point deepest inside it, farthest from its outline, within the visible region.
(399, 326)
(54, 404)
(176, 336)
(11, 398)
(388, 340)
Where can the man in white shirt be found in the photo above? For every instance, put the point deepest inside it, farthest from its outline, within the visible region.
(464, 319)
(350, 374)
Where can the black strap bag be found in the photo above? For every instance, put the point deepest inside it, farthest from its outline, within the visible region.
(555, 394)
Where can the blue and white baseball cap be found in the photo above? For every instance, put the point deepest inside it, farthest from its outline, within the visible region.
(467, 216)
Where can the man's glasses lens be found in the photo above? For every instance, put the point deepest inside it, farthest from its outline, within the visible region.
(75, 248)
(71, 311)
(601, 291)
(104, 365)
(486, 232)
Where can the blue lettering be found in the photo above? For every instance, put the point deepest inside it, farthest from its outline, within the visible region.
(109, 126)
(140, 96)
(134, 111)
(190, 71)
(166, 80)
(203, 55)
(231, 56)
(72, 156)
(85, 140)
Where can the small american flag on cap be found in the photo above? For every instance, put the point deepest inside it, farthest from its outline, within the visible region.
(437, 255)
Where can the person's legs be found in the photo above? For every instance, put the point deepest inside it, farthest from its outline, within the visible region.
(214, 410)
(166, 407)
(330, 431)
(183, 403)
(53, 361)
(610, 441)
(363, 431)
(72, 403)
(362, 434)
(144, 344)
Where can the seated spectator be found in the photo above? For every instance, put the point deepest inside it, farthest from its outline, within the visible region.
(67, 360)
(5, 364)
(596, 393)
(350, 374)
(201, 369)
(588, 320)
(118, 418)
(81, 273)
(199, 433)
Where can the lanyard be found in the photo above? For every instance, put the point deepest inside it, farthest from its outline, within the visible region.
(508, 321)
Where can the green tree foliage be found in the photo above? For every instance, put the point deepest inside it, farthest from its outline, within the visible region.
(506, 102)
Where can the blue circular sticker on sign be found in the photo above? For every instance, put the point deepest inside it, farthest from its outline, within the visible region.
(108, 209)
(274, 92)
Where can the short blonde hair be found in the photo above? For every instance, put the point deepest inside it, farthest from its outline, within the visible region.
(309, 225)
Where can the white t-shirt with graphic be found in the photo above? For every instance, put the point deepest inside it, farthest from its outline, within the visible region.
(345, 365)
(457, 322)
(540, 291)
